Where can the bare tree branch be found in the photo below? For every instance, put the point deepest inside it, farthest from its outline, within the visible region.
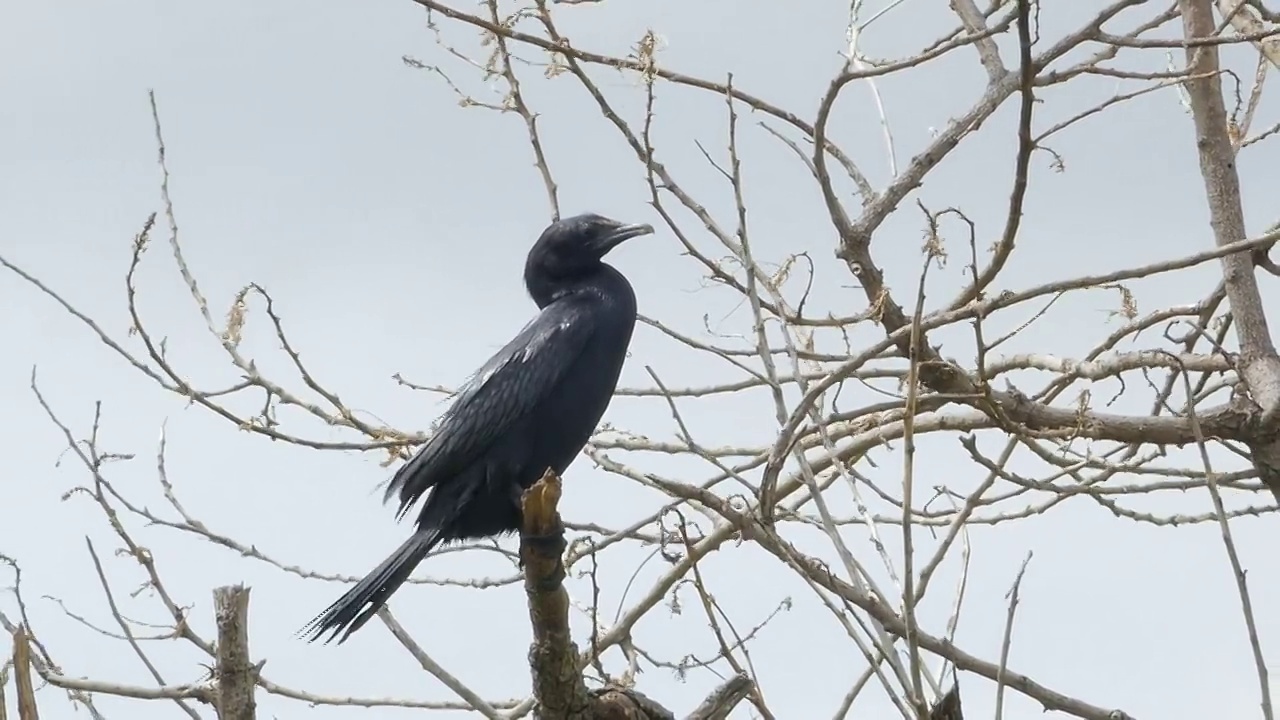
(553, 658)
(22, 661)
(854, 387)
(237, 677)
(722, 700)
(1259, 362)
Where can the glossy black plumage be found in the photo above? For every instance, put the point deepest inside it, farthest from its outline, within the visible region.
(532, 406)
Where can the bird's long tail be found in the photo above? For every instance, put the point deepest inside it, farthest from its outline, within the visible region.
(353, 610)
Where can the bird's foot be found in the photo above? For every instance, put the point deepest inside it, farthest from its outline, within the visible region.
(550, 544)
(553, 546)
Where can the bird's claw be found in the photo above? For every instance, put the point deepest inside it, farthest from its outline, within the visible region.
(552, 545)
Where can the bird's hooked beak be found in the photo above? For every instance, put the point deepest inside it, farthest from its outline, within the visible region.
(622, 233)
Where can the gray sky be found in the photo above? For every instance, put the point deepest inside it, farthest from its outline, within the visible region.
(390, 226)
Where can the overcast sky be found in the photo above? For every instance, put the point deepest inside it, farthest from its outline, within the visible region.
(390, 225)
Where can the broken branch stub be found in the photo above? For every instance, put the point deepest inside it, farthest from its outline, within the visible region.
(558, 686)
(235, 677)
(27, 709)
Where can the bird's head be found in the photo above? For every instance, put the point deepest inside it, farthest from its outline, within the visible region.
(575, 245)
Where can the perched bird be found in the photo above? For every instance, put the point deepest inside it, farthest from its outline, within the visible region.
(531, 407)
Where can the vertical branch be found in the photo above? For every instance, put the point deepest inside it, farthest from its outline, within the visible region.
(1007, 643)
(1233, 557)
(22, 676)
(235, 676)
(854, 61)
(908, 488)
(1221, 183)
(755, 280)
(553, 658)
(558, 688)
(1259, 363)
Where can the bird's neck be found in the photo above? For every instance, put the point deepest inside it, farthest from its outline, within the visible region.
(604, 282)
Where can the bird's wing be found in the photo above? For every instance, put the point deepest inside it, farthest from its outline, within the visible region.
(505, 389)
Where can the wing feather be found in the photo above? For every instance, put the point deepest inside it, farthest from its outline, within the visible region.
(500, 394)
